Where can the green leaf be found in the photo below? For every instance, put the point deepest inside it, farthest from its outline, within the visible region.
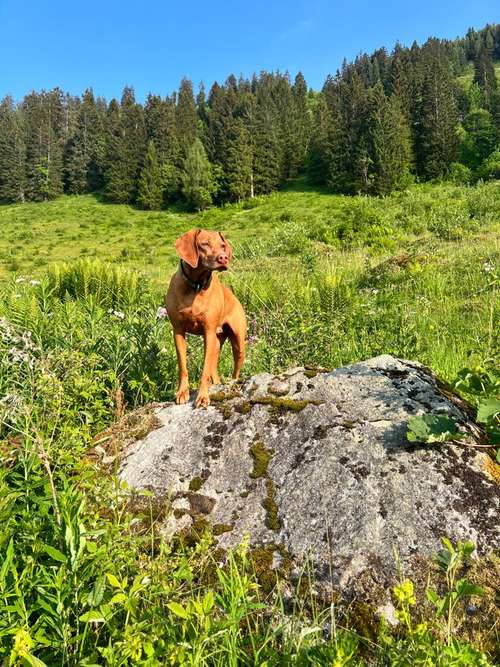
(465, 587)
(432, 596)
(95, 596)
(117, 598)
(177, 609)
(32, 660)
(208, 602)
(487, 410)
(113, 580)
(92, 616)
(432, 428)
(55, 553)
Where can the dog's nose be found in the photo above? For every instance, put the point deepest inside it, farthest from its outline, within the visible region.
(223, 259)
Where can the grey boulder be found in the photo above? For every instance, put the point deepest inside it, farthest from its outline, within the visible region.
(317, 466)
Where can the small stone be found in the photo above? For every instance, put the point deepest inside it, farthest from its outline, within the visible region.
(278, 387)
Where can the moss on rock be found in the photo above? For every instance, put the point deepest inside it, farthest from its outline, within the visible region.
(269, 504)
(261, 457)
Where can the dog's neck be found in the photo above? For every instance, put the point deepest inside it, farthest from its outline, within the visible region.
(198, 279)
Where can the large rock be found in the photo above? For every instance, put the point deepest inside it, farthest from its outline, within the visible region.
(318, 464)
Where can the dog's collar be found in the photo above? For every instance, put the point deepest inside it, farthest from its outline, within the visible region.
(198, 287)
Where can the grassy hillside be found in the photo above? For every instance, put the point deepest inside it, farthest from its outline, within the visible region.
(86, 577)
(404, 274)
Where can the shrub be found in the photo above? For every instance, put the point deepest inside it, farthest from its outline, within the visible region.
(490, 168)
(451, 221)
(460, 174)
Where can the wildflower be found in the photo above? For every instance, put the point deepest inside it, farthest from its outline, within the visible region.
(161, 313)
(488, 267)
(253, 337)
(116, 313)
(20, 279)
(35, 282)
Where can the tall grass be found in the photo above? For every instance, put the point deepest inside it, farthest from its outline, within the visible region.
(85, 575)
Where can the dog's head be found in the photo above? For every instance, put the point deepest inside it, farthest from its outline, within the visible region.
(203, 249)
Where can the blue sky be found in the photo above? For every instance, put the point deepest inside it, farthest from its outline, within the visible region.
(151, 44)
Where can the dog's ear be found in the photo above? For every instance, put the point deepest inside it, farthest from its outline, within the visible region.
(186, 247)
(229, 250)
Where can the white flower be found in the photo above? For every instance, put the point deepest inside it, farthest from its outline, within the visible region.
(34, 282)
(20, 280)
(161, 312)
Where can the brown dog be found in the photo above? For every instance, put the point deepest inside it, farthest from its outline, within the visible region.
(198, 303)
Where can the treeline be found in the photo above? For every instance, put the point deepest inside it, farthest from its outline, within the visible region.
(380, 122)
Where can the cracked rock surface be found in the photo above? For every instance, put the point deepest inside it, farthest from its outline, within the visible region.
(318, 464)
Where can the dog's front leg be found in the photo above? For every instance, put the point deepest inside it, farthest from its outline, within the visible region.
(211, 351)
(182, 395)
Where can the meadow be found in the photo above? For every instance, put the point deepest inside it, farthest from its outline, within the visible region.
(85, 578)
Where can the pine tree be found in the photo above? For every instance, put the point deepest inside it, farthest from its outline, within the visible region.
(389, 142)
(197, 178)
(317, 155)
(348, 150)
(436, 140)
(484, 75)
(85, 150)
(12, 154)
(298, 134)
(238, 162)
(43, 117)
(186, 117)
(266, 150)
(161, 129)
(125, 148)
(150, 190)
(119, 185)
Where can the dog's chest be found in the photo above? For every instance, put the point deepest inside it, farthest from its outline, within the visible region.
(192, 320)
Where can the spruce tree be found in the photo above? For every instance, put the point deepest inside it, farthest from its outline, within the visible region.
(197, 177)
(43, 117)
(348, 150)
(160, 115)
(388, 140)
(125, 148)
(85, 150)
(186, 117)
(12, 154)
(298, 135)
(119, 184)
(484, 76)
(150, 189)
(266, 149)
(317, 162)
(237, 181)
(436, 139)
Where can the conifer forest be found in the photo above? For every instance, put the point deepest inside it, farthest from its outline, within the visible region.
(382, 121)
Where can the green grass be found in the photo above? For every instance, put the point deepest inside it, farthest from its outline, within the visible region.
(85, 577)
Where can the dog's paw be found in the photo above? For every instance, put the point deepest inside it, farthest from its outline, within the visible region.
(182, 396)
(202, 400)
